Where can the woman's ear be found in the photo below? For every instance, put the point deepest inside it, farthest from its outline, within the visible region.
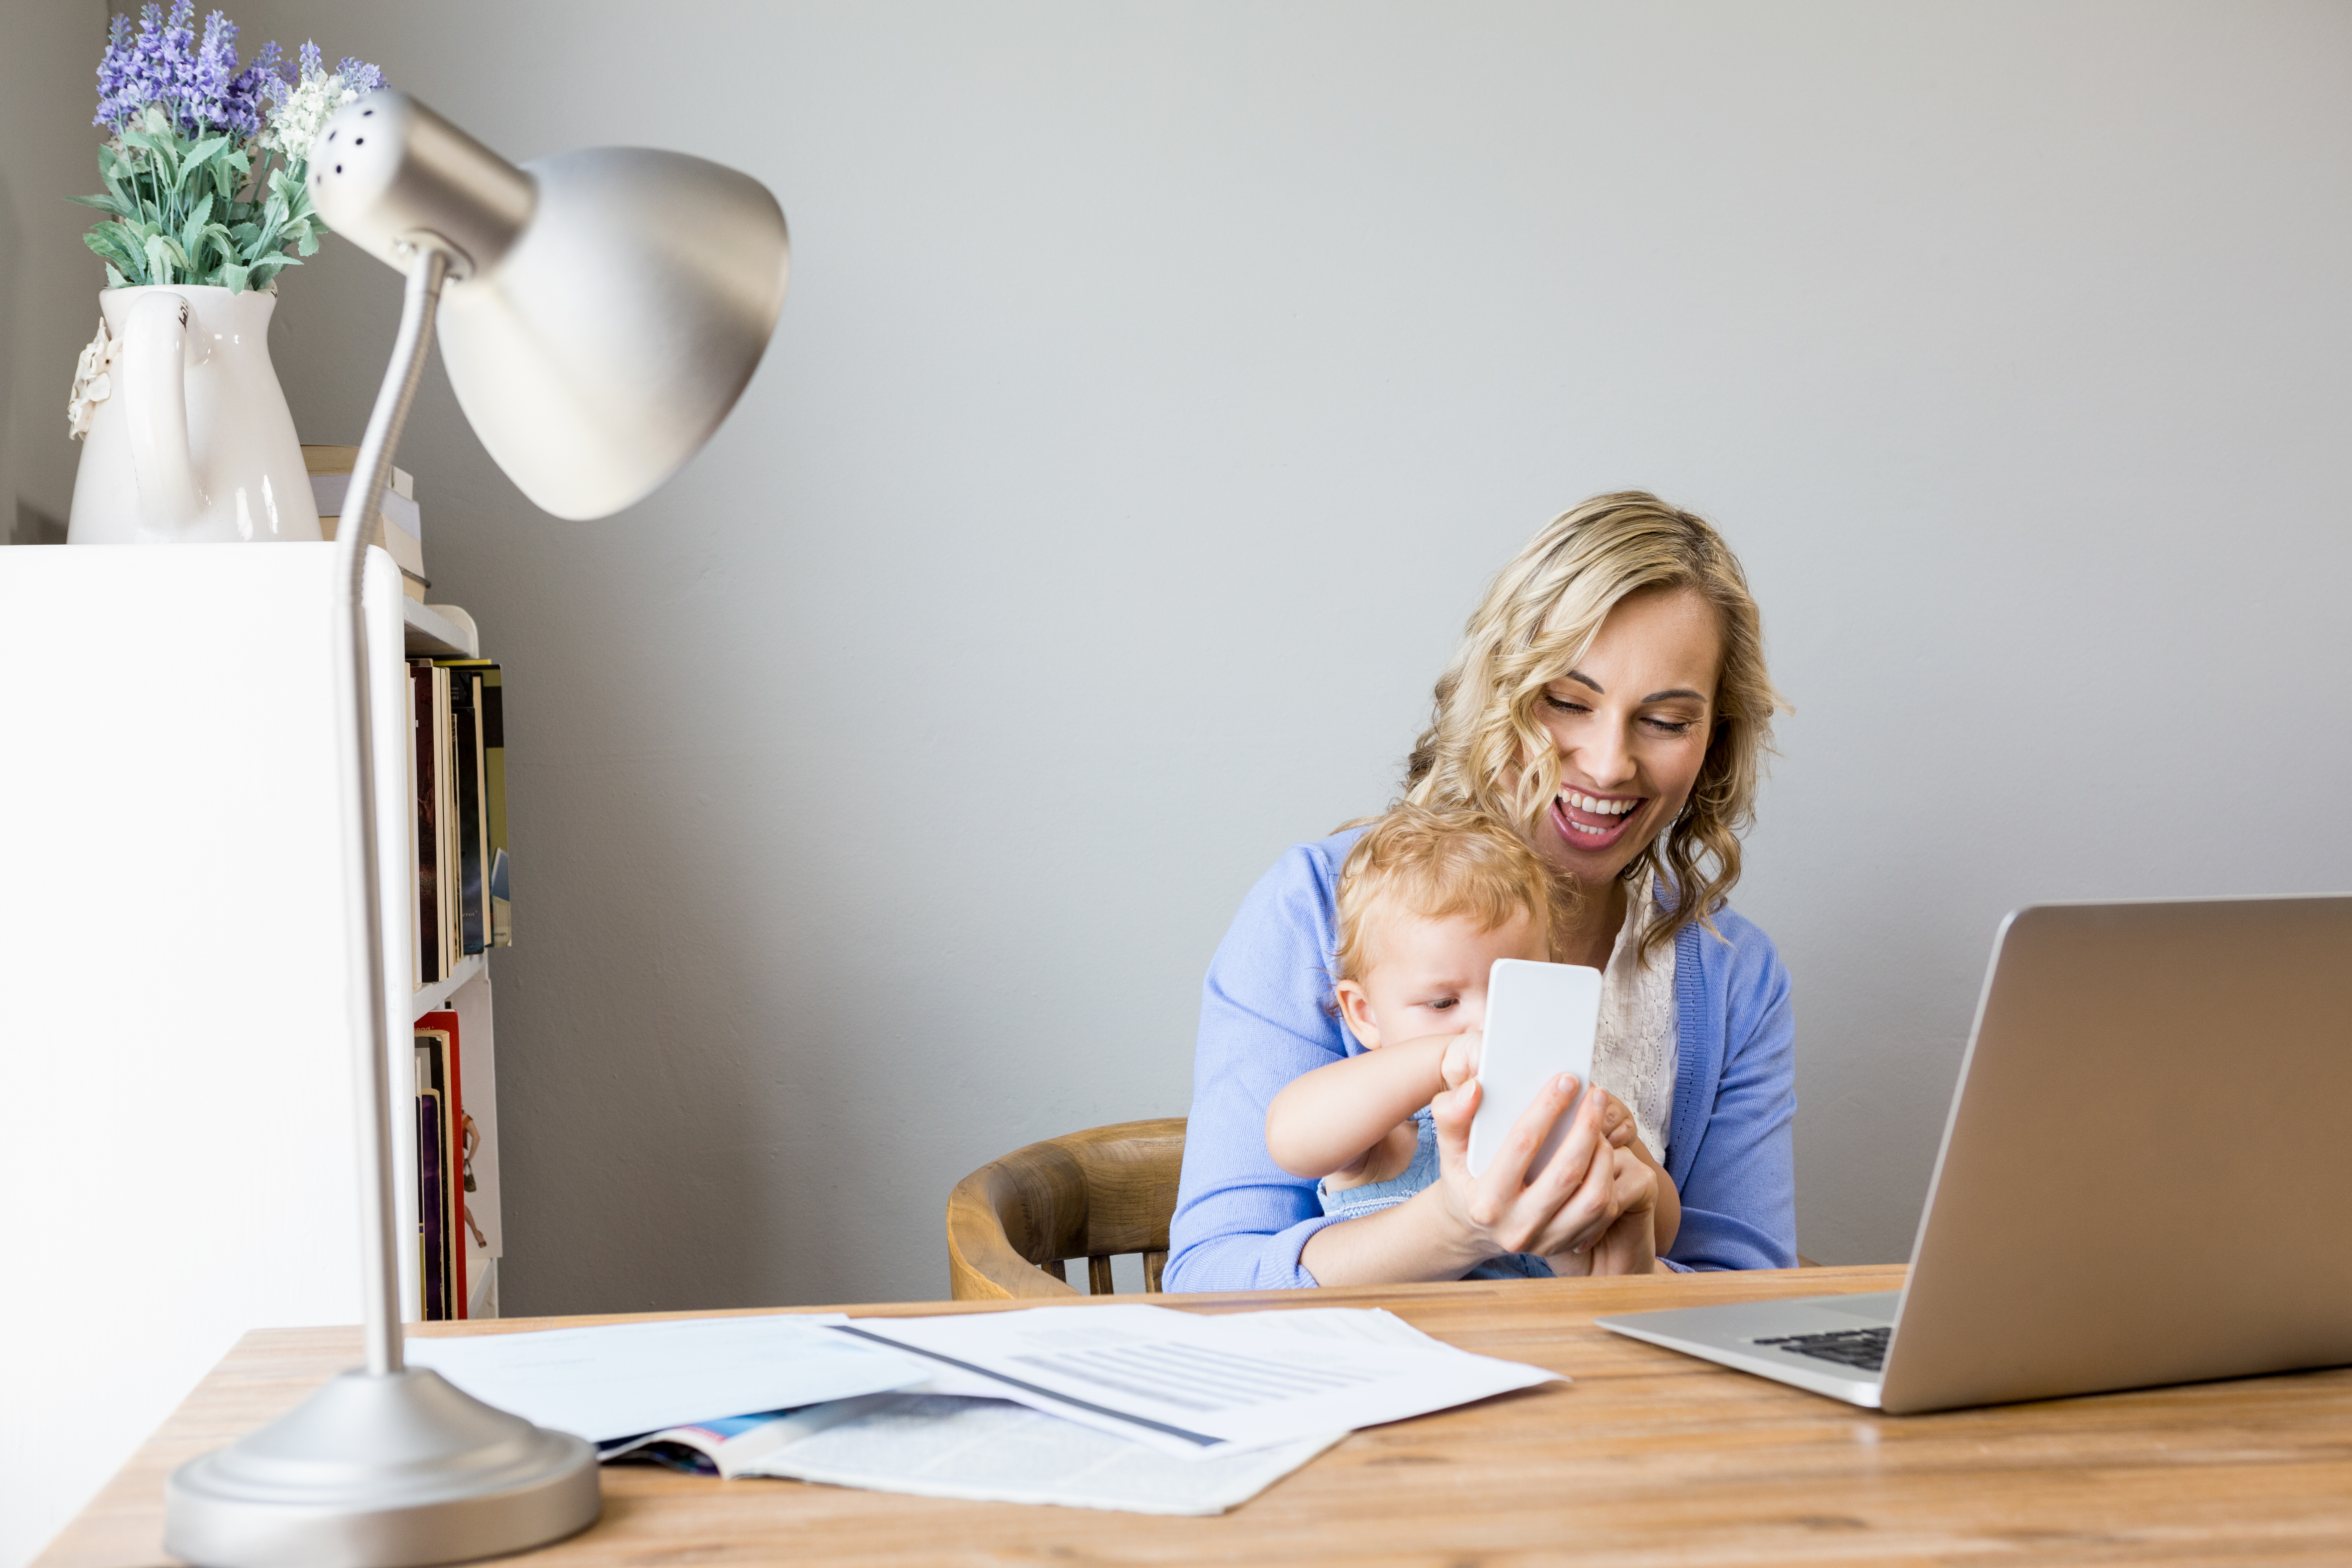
(1356, 1007)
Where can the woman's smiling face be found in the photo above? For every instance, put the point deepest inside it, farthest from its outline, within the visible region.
(1632, 724)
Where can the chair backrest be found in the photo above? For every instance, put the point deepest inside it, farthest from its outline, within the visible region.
(1092, 1194)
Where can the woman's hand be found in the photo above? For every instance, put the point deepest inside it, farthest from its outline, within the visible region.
(1629, 1245)
(1592, 1195)
(1571, 1203)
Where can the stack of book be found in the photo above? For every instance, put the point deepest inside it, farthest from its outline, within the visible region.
(399, 527)
(457, 769)
(445, 1142)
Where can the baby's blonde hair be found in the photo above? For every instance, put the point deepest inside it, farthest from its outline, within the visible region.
(1437, 862)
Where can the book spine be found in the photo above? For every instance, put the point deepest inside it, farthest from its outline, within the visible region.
(431, 1276)
(428, 828)
(465, 736)
(493, 804)
(444, 810)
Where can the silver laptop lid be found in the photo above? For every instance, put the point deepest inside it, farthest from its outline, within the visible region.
(2146, 1176)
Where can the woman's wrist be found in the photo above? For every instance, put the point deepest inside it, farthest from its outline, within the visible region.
(1452, 1244)
(1413, 1242)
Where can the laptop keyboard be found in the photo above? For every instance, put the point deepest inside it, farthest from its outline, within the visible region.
(1861, 1348)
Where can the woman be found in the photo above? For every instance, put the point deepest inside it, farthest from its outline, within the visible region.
(1609, 701)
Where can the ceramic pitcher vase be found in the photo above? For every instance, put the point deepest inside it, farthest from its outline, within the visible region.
(186, 437)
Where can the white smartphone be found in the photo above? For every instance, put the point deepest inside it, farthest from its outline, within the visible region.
(1540, 1021)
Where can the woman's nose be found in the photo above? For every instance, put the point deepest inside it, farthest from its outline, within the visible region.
(1604, 757)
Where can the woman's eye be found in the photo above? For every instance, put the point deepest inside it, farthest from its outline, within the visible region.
(1672, 726)
(1562, 705)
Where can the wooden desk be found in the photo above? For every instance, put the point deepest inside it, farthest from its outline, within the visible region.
(1648, 1457)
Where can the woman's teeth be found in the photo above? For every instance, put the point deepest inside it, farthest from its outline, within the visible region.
(1597, 807)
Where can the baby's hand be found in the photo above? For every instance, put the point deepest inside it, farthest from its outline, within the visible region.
(1460, 1064)
(1616, 1122)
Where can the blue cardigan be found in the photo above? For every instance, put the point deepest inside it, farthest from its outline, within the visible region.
(1241, 1220)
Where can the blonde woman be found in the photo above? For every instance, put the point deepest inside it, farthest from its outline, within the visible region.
(1609, 701)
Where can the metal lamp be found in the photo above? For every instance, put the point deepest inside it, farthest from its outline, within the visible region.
(603, 311)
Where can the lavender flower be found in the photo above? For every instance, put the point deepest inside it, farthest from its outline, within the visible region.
(205, 177)
(359, 75)
(196, 82)
(249, 93)
(113, 72)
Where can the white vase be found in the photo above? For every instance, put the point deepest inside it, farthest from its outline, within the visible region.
(188, 436)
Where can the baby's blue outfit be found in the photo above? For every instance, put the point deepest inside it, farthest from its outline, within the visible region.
(1374, 1196)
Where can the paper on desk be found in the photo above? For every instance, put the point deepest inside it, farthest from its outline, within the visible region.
(986, 1450)
(1199, 1387)
(621, 1379)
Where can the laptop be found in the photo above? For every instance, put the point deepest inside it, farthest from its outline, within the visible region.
(2146, 1177)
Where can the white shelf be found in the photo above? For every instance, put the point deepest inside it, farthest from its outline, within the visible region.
(428, 998)
(435, 634)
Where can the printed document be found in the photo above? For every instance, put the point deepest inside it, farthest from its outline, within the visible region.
(985, 1450)
(1197, 1385)
(621, 1379)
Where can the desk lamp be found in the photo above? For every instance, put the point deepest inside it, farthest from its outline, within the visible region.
(604, 311)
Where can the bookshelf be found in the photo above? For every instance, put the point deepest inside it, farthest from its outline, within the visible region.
(173, 995)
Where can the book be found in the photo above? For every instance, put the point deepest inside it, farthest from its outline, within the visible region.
(432, 1216)
(426, 834)
(461, 900)
(472, 825)
(441, 1063)
(417, 975)
(399, 527)
(445, 813)
(488, 698)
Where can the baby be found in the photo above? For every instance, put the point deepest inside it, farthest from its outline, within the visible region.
(1428, 901)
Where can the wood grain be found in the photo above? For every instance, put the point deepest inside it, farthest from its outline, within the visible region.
(1647, 1459)
(1090, 1195)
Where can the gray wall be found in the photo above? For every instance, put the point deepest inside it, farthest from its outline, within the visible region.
(48, 283)
(1159, 387)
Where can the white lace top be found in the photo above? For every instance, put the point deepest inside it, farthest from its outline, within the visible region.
(1633, 1056)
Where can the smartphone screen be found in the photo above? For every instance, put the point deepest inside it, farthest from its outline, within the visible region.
(1540, 1020)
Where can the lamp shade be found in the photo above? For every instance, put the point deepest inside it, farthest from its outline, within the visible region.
(605, 308)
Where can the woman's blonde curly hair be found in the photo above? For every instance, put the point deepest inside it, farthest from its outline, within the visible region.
(1485, 747)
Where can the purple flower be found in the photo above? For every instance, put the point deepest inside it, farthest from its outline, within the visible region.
(359, 75)
(196, 80)
(249, 93)
(117, 93)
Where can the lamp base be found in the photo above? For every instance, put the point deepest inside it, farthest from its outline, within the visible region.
(393, 1471)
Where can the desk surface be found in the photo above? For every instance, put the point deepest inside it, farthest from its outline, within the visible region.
(1648, 1457)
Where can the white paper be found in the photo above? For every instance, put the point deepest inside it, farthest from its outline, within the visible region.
(987, 1450)
(1199, 1387)
(621, 1379)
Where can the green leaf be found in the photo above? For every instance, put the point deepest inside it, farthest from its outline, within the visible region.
(267, 267)
(201, 215)
(115, 279)
(307, 242)
(106, 203)
(196, 157)
(116, 244)
(159, 258)
(103, 247)
(232, 277)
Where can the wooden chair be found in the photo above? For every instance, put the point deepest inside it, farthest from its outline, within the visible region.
(1091, 1194)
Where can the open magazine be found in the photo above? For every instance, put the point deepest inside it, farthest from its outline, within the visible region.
(986, 1450)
